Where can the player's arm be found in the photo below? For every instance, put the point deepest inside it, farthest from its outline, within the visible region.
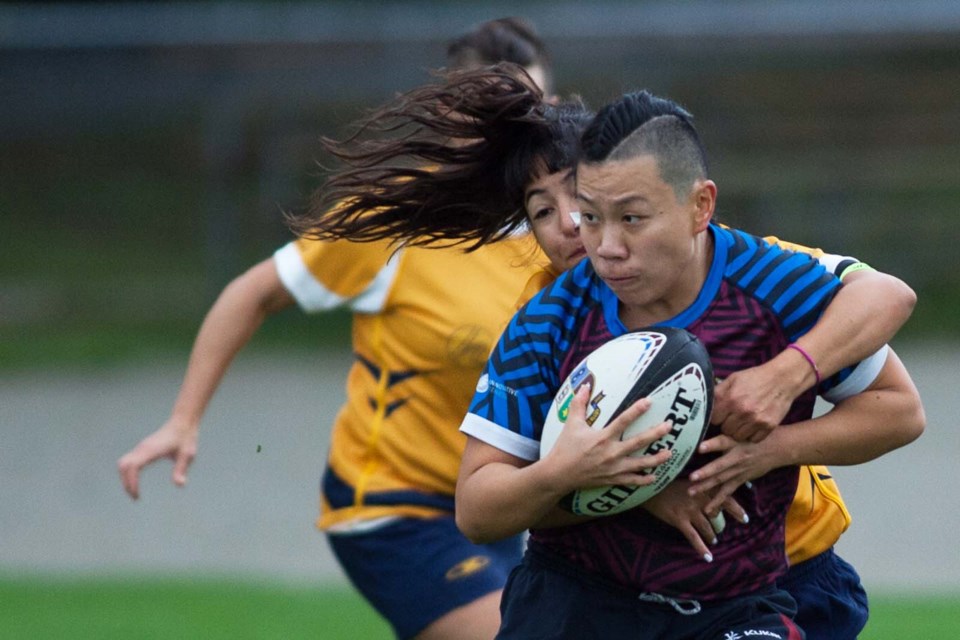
(499, 495)
(885, 416)
(232, 320)
(864, 315)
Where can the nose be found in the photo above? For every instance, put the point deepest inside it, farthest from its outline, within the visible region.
(570, 222)
(569, 215)
(611, 245)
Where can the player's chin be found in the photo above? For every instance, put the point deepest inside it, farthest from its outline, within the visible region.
(629, 290)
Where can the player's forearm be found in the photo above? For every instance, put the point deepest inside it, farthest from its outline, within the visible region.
(499, 500)
(866, 313)
(859, 429)
(232, 321)
(846, 437)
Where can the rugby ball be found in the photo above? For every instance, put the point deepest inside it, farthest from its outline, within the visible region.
(668, 365)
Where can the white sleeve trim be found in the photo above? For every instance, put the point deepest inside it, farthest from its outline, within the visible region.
(860, 378)
(500, 437)
(306, 290)
(313, 296)
(831, 261)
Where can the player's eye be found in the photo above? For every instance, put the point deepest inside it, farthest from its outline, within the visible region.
(542, 213)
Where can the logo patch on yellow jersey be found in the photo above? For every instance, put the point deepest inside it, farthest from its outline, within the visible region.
(467, 567)
(469, 346)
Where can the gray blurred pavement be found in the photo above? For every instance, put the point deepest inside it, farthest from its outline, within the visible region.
(243, 511)
(906, 505)
(250, 505)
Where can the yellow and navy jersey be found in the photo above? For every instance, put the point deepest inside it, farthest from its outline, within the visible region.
(817, 517)
(424, 321)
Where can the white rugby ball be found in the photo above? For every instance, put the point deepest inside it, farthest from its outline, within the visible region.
(668, 365)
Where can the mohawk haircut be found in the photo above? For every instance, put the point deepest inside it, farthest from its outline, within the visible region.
(643, 124)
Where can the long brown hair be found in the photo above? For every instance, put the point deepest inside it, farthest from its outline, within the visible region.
(446, 163)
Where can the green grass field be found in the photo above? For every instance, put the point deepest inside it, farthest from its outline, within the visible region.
(181, 609)
(157, 609)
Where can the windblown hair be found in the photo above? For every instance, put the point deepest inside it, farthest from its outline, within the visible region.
(643, 124)
(502, 40)
(446, 163)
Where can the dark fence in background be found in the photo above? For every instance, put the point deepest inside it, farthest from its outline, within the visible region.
(146, 150)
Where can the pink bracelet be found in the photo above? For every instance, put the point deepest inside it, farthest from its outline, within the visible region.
(807, 357)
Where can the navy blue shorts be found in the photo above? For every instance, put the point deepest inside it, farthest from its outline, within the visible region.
(414, 571)
(831, 602)
(546, 597)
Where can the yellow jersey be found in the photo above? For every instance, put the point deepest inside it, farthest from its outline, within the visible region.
(424, 322)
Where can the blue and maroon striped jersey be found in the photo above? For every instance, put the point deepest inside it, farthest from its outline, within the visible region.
(757, 299)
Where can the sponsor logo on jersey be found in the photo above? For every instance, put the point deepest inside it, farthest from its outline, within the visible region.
(469, 346)
(467, 567)
(484, 384)
(751, 633)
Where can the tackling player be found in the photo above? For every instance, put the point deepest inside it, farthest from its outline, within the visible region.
(388, 486)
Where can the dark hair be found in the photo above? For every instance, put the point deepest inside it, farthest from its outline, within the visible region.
(641, 123)
(446, 163)
(502, 40)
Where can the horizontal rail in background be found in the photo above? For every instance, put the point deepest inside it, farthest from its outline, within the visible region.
(118, 24)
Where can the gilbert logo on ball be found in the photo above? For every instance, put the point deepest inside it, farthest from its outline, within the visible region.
(668, 365)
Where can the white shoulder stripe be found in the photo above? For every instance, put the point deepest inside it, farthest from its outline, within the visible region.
(500, 437)
(374, 298)
(313, 296)
(860, 378)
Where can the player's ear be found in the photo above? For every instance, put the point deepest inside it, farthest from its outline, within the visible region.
(704, 196)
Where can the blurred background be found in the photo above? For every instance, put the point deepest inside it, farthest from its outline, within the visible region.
(148, 149)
